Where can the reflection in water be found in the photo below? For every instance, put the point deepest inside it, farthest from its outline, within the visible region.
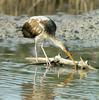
(27, 89)
(45, 7)
(36, 93)
(16, 77)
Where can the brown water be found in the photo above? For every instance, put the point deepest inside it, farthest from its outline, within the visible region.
(16, 76)
(46, 7)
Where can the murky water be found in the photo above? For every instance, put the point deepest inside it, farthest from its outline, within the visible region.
(16, 76)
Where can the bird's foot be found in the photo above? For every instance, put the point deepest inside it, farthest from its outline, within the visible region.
(48, 64)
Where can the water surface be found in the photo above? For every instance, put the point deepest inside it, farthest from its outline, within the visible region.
(16, 76)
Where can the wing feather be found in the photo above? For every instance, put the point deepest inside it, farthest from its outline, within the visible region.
(32, 28)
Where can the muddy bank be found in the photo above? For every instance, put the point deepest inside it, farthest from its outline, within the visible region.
(73, 30)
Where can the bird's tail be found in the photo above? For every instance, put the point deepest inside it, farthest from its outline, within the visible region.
(61, 45)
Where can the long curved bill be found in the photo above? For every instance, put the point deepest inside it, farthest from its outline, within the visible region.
(61, 45)
(70, 56)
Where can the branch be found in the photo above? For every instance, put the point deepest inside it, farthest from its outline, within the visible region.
(59, 60)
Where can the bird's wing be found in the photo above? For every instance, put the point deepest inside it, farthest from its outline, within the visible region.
(33, 27)
(36, 26)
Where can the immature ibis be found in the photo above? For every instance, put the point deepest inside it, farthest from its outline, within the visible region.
(40, 28)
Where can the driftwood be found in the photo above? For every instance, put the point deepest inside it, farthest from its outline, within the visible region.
(59, 60)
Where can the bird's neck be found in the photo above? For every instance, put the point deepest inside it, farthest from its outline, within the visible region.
(61, 45)
(57, 42)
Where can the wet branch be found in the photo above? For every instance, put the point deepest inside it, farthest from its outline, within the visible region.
(59, 60)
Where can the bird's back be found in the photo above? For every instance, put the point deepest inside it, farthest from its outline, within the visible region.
(38, 25)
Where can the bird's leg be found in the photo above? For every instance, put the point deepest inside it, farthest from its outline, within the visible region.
(36, 50)
(48, 64)
(47, 59)
(34, 77)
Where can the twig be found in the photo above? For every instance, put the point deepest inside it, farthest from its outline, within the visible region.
(59, 60)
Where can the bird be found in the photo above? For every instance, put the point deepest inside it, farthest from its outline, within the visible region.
(41, 28)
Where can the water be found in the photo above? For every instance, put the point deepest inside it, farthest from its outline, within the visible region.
(16, 76)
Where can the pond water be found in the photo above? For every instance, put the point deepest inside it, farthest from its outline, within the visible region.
(16, 76)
